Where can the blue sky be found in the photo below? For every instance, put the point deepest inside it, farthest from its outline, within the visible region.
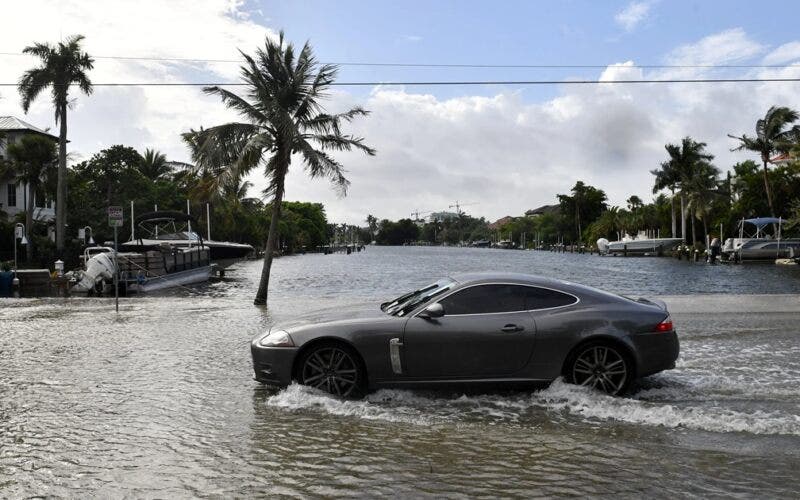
(507, 149)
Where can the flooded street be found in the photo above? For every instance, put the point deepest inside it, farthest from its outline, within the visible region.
(159, 401)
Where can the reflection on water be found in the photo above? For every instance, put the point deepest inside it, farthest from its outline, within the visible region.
(159, 401)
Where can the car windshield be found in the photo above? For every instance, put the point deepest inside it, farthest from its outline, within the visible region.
(406, 303)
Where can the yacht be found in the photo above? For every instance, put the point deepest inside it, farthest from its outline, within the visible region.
(167, 227)
(641, 244)
(760, 244)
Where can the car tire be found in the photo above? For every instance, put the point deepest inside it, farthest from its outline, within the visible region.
(600, 365)
(333, 367)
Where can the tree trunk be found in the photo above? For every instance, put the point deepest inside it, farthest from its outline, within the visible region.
(694, 232)
(706, 239)
(29, 224)
(672, 211)
(683, 218)
(61, 193)
(767, 188)
(272, 237)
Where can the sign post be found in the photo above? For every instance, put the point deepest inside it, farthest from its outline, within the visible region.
(115, 221)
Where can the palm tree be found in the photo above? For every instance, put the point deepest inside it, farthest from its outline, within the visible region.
(684, 161)
(770, 138)
(702, 188)
(154, 164)
(283, 116)
(61, 66)
(33, 164)
(372, 224)
(667, 178)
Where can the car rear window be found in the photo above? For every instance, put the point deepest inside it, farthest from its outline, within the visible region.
(544, 298)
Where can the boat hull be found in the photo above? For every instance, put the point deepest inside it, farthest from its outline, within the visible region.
(642, 247)
(761, 249)
(172, 280)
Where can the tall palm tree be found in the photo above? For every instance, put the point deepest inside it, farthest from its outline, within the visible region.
(667, 178)
(33, 164)
(61, 66)
(684, 161)
(154, 164)
(702, 189)
(771, 136)
(283, 116)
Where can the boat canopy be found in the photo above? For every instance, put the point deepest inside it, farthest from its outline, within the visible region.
(162, 216)
(761, 222)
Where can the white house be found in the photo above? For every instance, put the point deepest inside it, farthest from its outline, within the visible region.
(14, 197)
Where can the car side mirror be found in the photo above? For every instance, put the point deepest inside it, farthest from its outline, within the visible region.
(432, 311)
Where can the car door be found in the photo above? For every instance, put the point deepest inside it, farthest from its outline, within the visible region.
(485, 332)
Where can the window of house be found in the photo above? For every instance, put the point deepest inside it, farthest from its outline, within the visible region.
(11, 197)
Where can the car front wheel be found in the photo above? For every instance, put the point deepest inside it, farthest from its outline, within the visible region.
(333, 368)
(601, 366)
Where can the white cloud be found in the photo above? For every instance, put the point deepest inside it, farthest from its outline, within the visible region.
(503, 151)
(788, 53)
(631, 16)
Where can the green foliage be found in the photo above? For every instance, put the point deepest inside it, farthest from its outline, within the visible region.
(397, 233)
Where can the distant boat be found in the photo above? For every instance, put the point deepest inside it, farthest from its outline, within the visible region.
(760, 245)
(168, 227)
(641, 244)
(504, 244)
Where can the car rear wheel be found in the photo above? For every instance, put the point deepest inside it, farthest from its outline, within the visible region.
(601, 366)
(333, 368)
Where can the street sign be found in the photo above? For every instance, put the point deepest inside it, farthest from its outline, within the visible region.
(114, 216)
(82, 233)
(18, 234)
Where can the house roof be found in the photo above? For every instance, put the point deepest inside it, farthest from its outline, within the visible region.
(544, 209)
(11, 123)
(500, 222)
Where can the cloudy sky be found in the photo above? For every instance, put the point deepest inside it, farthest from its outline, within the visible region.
(501, 149)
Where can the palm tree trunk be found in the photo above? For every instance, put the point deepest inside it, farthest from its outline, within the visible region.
(767, 188)
(672, 211)
(694, 233)
(706, 239)
(683, 218)
(61, 192)
(272, 237)
(29, 224)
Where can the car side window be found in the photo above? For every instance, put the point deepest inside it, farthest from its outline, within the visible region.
(485, 299)
(543, 298)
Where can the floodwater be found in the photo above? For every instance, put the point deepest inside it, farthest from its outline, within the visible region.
(159, 401)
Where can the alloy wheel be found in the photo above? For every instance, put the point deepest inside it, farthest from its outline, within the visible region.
(601, 367)
(331, 369)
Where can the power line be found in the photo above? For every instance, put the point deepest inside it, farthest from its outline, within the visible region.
(458, 65)
(453, 83)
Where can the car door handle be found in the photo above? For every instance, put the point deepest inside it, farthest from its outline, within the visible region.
(512, 328)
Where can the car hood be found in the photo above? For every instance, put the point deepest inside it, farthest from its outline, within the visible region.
(334, 315)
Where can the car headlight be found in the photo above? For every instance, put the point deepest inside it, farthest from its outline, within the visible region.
(278, 338)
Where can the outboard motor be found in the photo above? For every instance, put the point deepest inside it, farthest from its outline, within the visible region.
(99, 267)
(602, 246)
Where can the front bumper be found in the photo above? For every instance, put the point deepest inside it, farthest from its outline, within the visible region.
(655, 352)
(273, 365)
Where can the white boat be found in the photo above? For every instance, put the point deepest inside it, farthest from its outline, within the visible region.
(641, 244)
(761, 244)
(136, 272)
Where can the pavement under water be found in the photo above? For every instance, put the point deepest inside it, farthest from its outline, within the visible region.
(159, 401)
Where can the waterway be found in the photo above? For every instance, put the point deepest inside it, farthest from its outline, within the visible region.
(159, 401)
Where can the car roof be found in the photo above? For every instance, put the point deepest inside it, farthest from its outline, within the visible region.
(528, 279)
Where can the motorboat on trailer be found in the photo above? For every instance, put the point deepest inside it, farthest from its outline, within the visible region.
(642, 244)
(175, 228)
(761, 244)
(139, 272)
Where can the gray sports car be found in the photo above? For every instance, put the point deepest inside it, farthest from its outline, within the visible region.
(475, 329)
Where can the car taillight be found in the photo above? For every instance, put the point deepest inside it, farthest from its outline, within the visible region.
(665, 326)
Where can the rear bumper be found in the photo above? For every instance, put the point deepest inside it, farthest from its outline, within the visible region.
(655, 351)
(273, 365)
